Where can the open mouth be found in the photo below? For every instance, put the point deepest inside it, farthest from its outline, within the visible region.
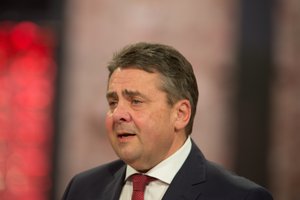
(125, 135)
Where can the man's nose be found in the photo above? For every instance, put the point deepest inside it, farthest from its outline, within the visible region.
(121, 113)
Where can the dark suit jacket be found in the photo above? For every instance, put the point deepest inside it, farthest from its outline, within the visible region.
(197, 179)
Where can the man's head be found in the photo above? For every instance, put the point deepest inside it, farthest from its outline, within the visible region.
(178, 79)
(152, 96)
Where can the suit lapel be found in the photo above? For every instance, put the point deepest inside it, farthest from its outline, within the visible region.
(187, 182)
(114, 188)
(186, 185)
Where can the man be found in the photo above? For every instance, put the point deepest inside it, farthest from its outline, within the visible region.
(152, 95)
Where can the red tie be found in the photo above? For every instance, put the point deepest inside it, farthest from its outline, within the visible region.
(139, 182)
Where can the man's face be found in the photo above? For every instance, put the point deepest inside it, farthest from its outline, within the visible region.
(140, 122)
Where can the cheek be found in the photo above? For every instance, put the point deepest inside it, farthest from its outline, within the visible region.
(108, 123)
(155, 125)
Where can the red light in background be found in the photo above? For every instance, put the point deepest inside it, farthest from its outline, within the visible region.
(23, 35)
(27, 74)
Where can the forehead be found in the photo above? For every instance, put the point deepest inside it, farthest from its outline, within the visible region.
(132, 78)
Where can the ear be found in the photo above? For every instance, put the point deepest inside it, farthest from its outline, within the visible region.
(183, 114)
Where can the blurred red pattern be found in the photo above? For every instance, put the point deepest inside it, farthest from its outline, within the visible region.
(27, 74)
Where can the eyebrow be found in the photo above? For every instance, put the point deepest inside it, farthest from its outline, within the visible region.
(111, 95)
(126, 93)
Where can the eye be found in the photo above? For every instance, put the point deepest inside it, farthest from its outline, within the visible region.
(136, 102)
(112, 103)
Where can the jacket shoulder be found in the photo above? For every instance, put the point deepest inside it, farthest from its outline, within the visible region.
(92, 182)
(229, 183)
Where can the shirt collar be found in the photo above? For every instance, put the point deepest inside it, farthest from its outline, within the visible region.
(167, 169)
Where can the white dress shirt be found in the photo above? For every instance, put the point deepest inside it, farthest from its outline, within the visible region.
(164, 172)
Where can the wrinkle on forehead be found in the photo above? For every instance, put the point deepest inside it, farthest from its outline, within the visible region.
(127, 77)
(126, 93)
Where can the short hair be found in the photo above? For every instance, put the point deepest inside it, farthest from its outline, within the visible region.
(178, 78)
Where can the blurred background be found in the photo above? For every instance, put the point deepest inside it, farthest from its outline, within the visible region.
(53, 56)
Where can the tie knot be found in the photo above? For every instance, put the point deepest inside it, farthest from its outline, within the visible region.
(140, 181)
